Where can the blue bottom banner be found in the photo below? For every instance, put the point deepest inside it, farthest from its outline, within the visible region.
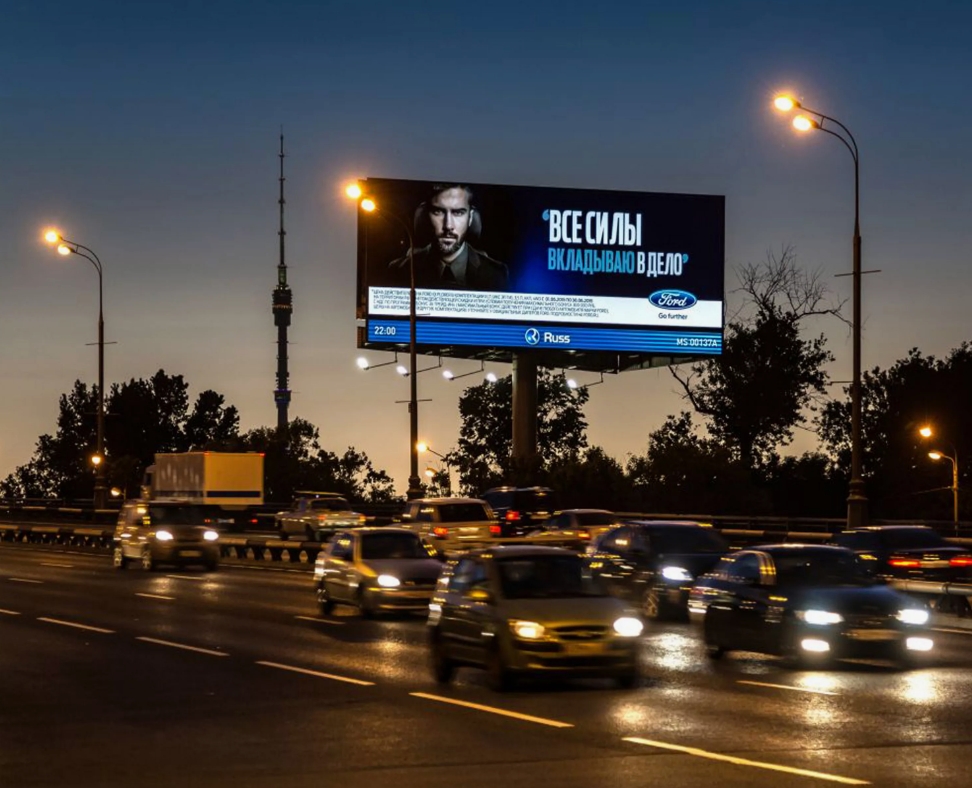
(504, 335)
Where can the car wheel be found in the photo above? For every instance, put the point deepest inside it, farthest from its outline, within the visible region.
(364, 606)
(310, 535)
(324, 602)
(118, 559)
(282, 534)
(148, 560)
(498, 675)
(442, 667)
(629, 680)
(714, 652)
(651, 604)
(713, 649)
(211, 566)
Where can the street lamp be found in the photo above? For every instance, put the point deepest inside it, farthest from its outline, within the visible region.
(926, 432)
(433, 473)
(857, 497)
(65, 247)
(368, 205)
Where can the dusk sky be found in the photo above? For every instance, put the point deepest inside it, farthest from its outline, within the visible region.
(149, 132)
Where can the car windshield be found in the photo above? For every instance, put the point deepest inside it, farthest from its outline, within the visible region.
(546, 577)
(330, 505)
(687, 540)
(596, 518)
(462, 512)
(904, 538)
(392, 545)
(178, 515)
(821, 568)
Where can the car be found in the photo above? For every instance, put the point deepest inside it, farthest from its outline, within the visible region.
(376, 570)
(317, 516)
(451, 523)
(527, 610)
(156, 532)
(913, 552)
(809, 603)
(653, 563)
(521, 509)
(582, 525)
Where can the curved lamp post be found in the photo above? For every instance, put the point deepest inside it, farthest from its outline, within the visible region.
(368, 205)
(857, 497)
(926, 432)
(66, 247)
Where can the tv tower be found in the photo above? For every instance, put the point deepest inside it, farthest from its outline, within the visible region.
(282, 307)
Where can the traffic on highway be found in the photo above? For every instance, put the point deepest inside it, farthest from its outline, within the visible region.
(649, 653)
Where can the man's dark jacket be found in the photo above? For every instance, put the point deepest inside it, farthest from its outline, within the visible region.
(482, 271)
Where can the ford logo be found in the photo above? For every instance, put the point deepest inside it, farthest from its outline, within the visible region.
(672, 299)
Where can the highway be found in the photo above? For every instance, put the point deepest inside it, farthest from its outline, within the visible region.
(130, 678)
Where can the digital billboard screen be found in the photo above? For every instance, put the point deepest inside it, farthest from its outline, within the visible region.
(547, 269)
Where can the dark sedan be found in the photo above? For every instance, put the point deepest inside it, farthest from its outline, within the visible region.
(653, 563)
(914, 552)
(810, 603)
(376, 570)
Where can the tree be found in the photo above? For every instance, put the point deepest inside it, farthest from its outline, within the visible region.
(483, 457)
(895, 403)
(758, 391)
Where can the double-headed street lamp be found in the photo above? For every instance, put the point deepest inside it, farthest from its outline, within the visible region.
(368, 205)
(65, 247)
(926, 432)
(857, 498)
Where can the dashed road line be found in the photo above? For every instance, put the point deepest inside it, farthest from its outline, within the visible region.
(25, 580)
(716, 756)
(155, 596)
(76, 626)
(316, 673)
(59, 566)
(9, 612)
(186, 577)
(493, 710)
(321, 621)
(183, 646)
(951, 631)
(788, 687)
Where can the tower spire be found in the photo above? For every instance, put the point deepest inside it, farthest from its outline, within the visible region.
(282, 309)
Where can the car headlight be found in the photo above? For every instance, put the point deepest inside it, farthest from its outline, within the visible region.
(210, 536)
(678, 573)
(628, 627)
(819, 617)
(913, 616)
(388, 581)
(163, 536)
(528, 630)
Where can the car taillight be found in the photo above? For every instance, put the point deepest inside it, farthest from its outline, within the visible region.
(253, 521)
(496, 530)
(322, 518)
(961, 560)
(584, 534)
(904, 562)
(512, 515)
(441, 531)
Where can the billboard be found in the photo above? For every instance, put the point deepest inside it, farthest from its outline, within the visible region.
(547, 269)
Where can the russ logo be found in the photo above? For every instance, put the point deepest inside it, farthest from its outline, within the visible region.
(672, 299)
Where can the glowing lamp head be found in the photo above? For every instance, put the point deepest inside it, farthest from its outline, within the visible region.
(362, 362)
(925, 432)
(368, 205)
(64, 250)
(430, 472)
(96, 459)
(447, 374)
(52, 236)
(785, 103)
(935, 455)
(491, 377)
(571, 383)
(353, 190)
(422, 446)
(402, 370)
(803, 123)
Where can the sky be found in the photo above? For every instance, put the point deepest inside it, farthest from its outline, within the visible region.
(149, 132)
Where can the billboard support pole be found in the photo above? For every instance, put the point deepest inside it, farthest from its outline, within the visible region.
(524, 411)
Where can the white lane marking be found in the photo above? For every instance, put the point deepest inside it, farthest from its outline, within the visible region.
(77, 626)
(952, 631)
(9, 612)
(25, 580)
(186, 577)
(155, 596)
(321, 621)
(183, 646)
(59, 566)
(493, 710)
(715, 756)
(317, 673)
(788, 687)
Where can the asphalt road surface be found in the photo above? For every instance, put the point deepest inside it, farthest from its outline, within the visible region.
(187, 679)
